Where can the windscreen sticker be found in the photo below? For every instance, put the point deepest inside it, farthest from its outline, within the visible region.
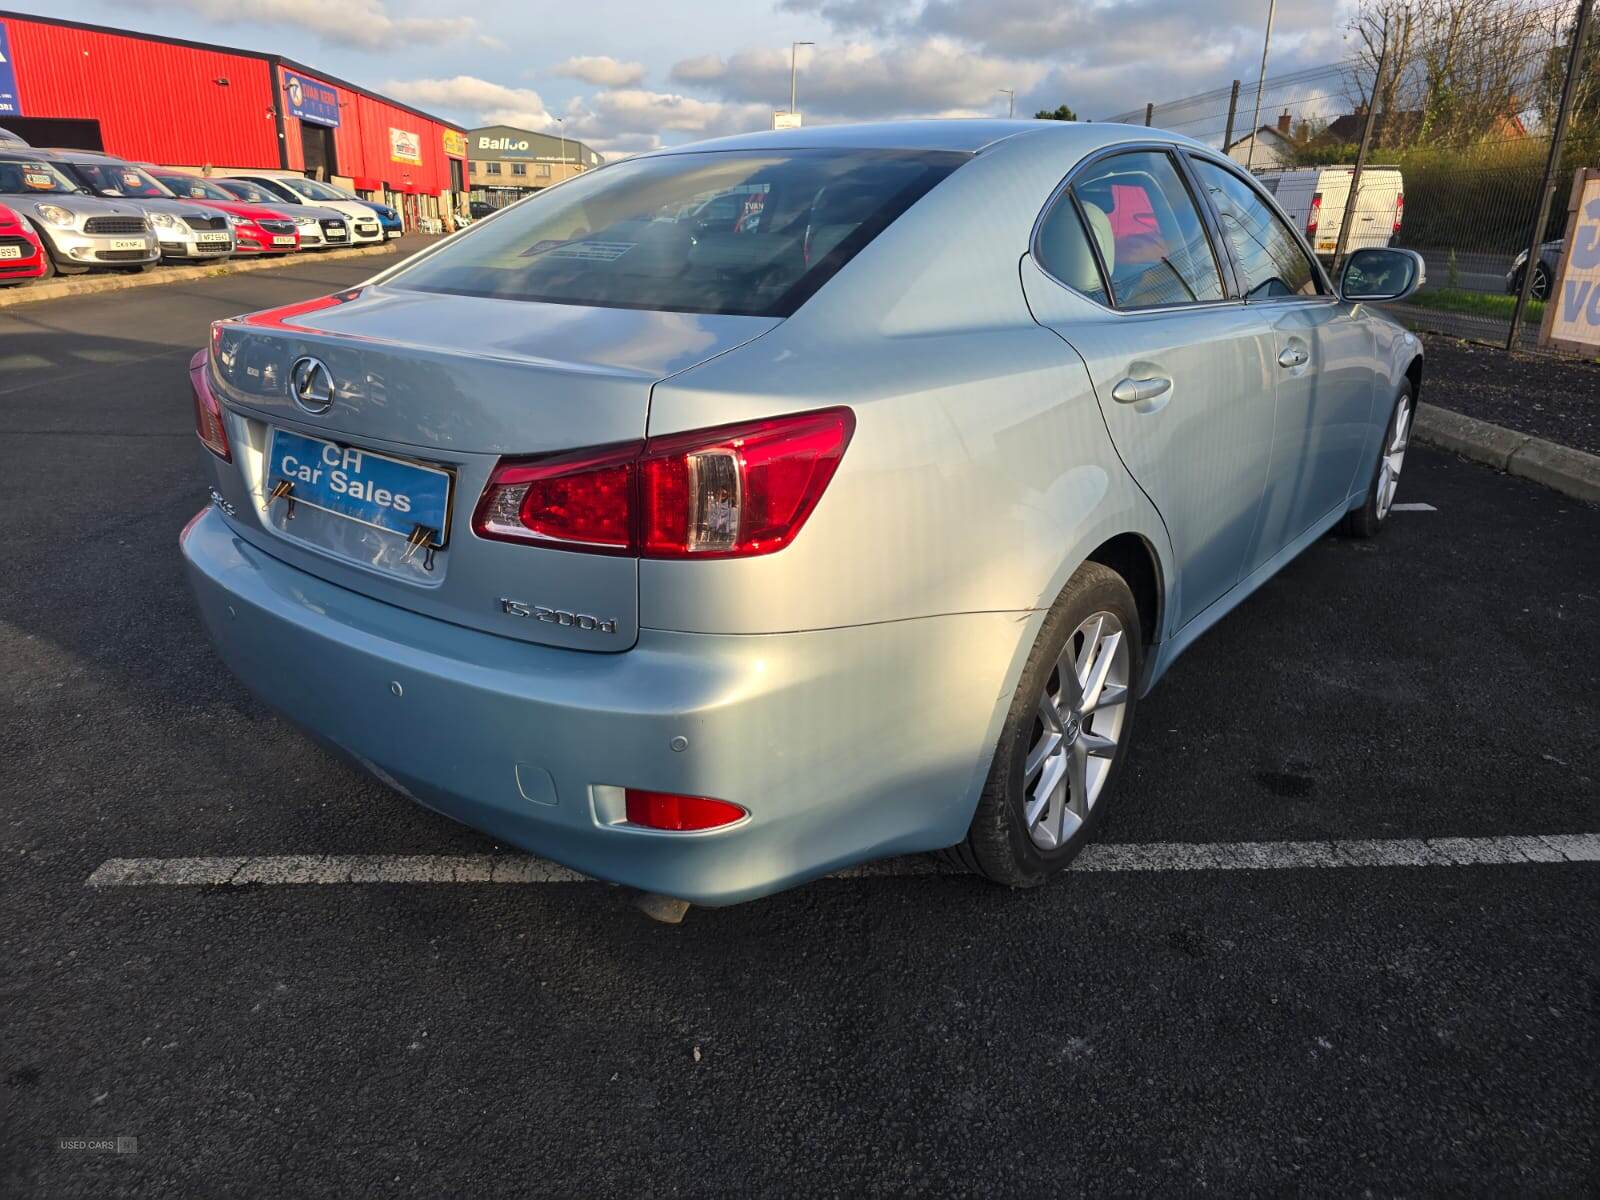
(586, 251)
(44, 182)
(129, 179)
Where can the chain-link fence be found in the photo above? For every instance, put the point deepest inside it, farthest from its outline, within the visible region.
(1457, 129)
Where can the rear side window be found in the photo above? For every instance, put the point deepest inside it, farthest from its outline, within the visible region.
(1063, 248)
(744, 232)
(1159, 252)
(1268, 254)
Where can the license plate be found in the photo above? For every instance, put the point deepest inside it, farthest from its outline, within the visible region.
(279, 240)
(129, 244)
(213, 237)
(374, 489)
(10, 251)
(335, 235)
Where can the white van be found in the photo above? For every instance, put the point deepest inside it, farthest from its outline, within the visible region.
(1314, 199)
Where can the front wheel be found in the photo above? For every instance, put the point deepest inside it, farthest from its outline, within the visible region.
(1064, 737)
(1369, 519)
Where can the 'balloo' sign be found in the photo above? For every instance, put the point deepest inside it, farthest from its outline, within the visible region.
(1572, 312)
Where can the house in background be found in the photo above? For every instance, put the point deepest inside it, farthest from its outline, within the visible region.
(1270, 146)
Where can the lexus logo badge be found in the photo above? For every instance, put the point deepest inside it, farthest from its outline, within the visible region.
(311, 384)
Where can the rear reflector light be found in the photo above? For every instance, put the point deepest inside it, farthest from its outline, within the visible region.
(663, 810)
(1399, 210)
(208, 423)
(1315, 216)
(730, 492)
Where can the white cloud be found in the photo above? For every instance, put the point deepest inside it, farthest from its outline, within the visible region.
(487, 103)
(602, 70)
(364, 24)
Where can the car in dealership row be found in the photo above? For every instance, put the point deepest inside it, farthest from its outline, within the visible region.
(187, 230)
(80, 232)
(257, 228)
(388, 218)
(21, 252)
(707, 560)
(296, 189)
(317, 228)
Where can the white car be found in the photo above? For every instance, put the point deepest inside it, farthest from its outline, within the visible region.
(319, 228)
(296, 189)
(1314, 199)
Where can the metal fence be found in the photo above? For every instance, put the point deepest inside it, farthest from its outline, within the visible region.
(1459, 122)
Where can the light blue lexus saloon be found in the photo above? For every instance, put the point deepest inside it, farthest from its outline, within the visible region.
(741, 511)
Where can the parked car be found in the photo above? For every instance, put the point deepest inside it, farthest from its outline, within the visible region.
(363, 222)
(186, 230)
(80, 232)
(1544, 271)
(388, 218)
(711, 561)
(21, 252)
(12, 141)
(1314, 198)
(257, 228)
(317, 228)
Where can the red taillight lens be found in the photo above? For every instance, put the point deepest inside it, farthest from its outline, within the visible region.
(1314, 217)
(208, 423)
(663, 810)
(734, 491)
(1399, 210)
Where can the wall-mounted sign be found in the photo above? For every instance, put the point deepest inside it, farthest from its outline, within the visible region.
(455, 144)
(1572, 313)
(10, 103)
(310, 100)
(405, 146)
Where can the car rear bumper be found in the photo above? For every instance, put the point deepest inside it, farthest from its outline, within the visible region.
(843, 744)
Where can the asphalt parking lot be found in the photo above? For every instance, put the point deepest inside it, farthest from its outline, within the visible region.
(1309, 1026)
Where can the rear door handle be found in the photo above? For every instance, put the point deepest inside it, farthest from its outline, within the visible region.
(1131, 391)
(1293, 356)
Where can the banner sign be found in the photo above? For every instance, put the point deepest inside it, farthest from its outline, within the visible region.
(405, 146)
(310, 100)
(10, 105)
(455, 144)
(1572, 312)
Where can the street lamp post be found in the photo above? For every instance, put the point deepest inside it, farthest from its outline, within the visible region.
(1261, 84)
(794, 51)
(1011, 101)
(561, 123)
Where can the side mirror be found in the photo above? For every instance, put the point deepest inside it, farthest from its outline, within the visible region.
(1382, 275)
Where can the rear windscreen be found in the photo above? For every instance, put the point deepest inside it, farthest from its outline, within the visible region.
(744, 232)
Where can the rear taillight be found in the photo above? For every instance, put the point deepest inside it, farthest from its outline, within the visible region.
(731, 492)
(664, 810)
(208, 423)
(1399, 210)
(1314, 217)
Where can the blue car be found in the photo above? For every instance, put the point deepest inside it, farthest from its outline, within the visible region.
(710, 547)
(387, 217)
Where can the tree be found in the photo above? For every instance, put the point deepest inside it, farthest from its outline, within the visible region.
(1059, 113)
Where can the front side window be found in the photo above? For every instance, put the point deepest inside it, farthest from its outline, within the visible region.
(1268, 254)
(744, 232)
(1159, 252)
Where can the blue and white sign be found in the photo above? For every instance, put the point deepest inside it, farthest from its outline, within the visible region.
(10, 102)
(374, 489)
(310, 100)
(1576, 316)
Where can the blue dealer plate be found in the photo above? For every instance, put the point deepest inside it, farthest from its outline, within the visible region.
(386, 493)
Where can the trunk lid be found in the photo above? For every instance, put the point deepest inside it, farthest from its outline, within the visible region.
(448, 384)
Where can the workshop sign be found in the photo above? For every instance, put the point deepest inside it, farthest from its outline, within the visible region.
(405, 146)
(10, 106)
(1572, 314)
(455, 144)
(310, 100)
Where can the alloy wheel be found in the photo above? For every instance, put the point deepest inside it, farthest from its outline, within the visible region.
(1076, 729)
(1394, 457)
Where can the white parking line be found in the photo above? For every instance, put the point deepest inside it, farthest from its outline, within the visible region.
(1115, 856)
(1416, 506)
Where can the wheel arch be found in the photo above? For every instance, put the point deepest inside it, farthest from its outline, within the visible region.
(1131, 556)
(1413, 372)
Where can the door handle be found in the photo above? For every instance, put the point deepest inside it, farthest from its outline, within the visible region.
(1131, 391)
(1293, 356)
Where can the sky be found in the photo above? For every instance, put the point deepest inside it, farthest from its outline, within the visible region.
(629, 75)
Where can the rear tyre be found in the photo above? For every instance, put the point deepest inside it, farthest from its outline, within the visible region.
(1064, 736)
(1541, 283)
(1369, 520)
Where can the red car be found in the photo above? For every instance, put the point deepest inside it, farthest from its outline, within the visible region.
(257, 228)
(21, 255)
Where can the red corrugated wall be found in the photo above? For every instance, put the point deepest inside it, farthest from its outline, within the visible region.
(361, 142)
(155, 102)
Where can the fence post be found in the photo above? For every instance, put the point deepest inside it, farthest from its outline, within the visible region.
(1149, 113)
(1361, 158)
(1558, 137)
(1233, 111)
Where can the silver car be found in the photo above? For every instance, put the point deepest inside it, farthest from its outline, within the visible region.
(710, 547)
(186, 229)
(79, 231)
